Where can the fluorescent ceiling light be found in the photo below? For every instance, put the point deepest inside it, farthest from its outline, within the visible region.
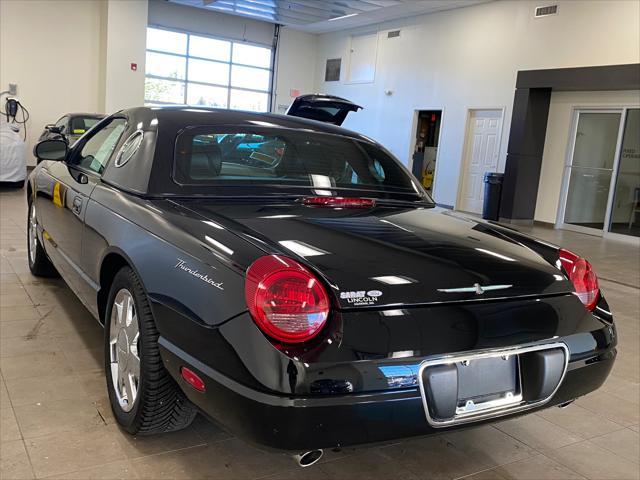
(402, 354)
(302, 249)
(213, 224)
(495, 254)
(393, 280)
(218, 245)
(343, 16)
(397, 226)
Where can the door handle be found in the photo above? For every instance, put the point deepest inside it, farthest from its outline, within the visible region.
(77, 204)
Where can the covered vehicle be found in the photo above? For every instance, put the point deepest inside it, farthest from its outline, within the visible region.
(314, 300)
(13, 156)
(70, 127)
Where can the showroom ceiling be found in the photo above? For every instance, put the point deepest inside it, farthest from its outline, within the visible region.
(315, 16)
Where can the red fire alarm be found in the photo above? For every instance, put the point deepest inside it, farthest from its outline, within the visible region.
(134, 67)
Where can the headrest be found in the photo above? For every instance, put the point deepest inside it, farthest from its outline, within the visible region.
(77, 125)
(206, 161)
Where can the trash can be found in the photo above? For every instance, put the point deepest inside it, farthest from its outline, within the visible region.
(492, 192)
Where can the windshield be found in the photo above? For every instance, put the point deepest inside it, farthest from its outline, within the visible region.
(80, 125)
(286, 158)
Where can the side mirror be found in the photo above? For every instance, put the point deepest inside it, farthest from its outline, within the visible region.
(51, 150)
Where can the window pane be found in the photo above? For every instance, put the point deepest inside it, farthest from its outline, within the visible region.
(166, 41)
(209, 48)
(163, 91)
(250, 55)
(162, 65)
(227, 156)
(98, 149)
(207, 96)
(208, 72)
(625, 213)
(243, 100)
(247, 77)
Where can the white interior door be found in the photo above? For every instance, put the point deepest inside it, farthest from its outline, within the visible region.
(481, 155)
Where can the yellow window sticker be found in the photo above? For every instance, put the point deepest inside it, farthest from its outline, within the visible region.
(57, 194)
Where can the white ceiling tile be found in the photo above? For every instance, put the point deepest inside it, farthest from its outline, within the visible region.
(315, 16)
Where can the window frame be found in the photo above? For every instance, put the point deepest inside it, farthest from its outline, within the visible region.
(78, 147)
(229, 86)
(64, 124)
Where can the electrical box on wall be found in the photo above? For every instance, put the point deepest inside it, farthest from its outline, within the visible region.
(362, 58)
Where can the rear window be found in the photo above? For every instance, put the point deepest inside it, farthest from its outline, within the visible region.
(285, 158)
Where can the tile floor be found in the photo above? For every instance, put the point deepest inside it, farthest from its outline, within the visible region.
(56, 421)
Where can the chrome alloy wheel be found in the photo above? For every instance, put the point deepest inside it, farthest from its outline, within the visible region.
(124, 334)
(33, 238)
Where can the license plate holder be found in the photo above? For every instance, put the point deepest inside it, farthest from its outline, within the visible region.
(487, 383)
(472, 386)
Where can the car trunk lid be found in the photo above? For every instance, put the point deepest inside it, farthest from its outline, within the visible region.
(324, 108)
(390, 256)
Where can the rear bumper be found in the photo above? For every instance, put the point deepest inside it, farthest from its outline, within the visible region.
(298, 423)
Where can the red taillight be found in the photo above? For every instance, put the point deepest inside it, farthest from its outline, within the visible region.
(192, 379)
(286, 301)
(582, 276)
(342, 202)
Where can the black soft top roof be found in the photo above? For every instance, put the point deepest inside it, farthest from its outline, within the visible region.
(149, 172)
(177, 116)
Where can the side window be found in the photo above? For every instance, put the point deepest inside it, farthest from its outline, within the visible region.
(96, 151)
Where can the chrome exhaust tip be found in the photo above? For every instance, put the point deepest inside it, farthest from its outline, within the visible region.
(307, 459)
(566, 404)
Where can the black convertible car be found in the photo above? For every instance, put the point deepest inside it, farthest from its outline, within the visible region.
(301, 288)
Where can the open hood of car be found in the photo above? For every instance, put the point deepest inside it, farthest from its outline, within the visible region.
(393, 256)
(324, 108)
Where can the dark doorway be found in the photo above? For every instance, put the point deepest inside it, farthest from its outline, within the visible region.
(425, 153)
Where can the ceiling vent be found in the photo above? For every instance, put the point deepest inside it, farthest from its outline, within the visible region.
(546, 11)
(393, 34)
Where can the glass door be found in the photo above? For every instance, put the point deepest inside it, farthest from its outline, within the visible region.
(590, 172)
(625, 209)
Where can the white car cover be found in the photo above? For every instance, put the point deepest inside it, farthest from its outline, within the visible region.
(13, 158)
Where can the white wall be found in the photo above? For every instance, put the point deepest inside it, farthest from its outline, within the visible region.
(75, 55)
(557, 140)
(57, 68)
(295, 66)
(469, 58)
(126, 39)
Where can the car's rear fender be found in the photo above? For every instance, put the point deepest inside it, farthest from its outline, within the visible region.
(183, 268)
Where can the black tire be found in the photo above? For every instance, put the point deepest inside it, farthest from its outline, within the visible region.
(160, 406)
(39, 263)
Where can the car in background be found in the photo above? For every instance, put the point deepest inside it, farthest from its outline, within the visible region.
(70, 127)
(13, 157)
(323, 108)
